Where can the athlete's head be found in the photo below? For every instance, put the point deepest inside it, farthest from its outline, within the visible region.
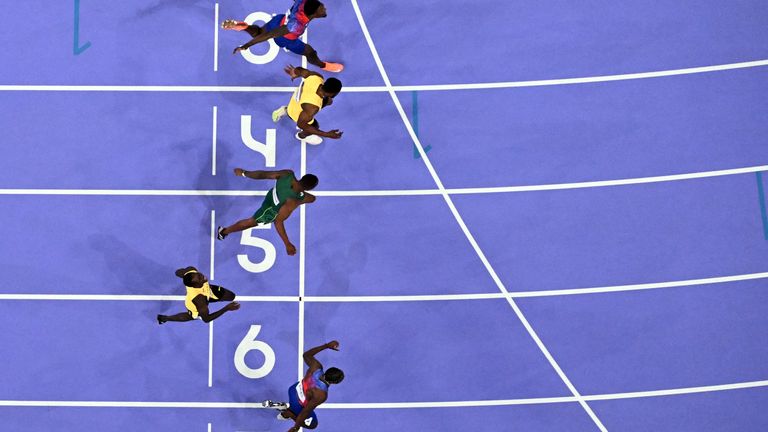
(308, 182)
(333, 375)
(332, 87)
(194, 280)
(315, 9)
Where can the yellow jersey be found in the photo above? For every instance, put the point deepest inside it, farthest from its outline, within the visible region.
(194, 292)
(306, 93)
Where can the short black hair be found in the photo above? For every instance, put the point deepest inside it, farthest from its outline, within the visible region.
(191, 279)
(334, 375)
(309, 181)
(311, 6)
(332, 85)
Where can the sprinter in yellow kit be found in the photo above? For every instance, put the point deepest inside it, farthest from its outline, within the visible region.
(199, 294)
(312, 95)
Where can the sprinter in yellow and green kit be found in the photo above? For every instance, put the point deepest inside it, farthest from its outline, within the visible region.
(287, 195)
(200, 294)
(313, 94)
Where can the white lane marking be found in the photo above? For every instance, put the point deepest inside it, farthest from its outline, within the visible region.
(210, 354)
(403, 88)
(214, 235)
(396, 405)
(393, 192)
(404, 298)
(216, 38)
(214, 139)
(302, 234)
(464, 227)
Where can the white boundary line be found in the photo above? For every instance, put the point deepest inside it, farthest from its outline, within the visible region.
(396, 405)
(211, 269)
(302, 242)
(405, 88)
(214, 139)
(210, 354)
(209, 425)
(405, 298)
(464, 227)
(395, 192)
(216, 38)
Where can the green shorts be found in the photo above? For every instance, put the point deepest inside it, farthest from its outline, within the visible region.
(266, 214)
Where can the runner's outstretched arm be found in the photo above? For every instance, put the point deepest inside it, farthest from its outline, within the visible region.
(202, 309)
(262, 175)
(296, 72)
(283, 214)
(274, 33)
(309, 356)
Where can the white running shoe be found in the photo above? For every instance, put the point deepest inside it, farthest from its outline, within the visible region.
(279, 113)
(276, 405)
(310, 139)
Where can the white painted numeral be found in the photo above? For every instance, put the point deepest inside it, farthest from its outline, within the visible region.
(249, 343)
(267, 149)
(248, 239)
(274, 50)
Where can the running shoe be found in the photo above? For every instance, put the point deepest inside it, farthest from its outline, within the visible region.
(231, 24)
(279, 113)
(310, 139)
(333, 67)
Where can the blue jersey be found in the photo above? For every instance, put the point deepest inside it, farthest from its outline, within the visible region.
(296, 20)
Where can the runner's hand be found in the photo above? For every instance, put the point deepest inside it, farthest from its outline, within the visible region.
(238, 49)
(239, 172)
(233, 306)
(290, 248)
(334, 345)
(334, 134)
(291, 71)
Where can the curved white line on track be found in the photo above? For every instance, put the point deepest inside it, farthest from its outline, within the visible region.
(396, 405)
(403, 298)
(394, 192)
(404, 88)
(463, 226)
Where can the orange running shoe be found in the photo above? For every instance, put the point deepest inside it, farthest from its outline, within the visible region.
(333, 67)
(231, 24)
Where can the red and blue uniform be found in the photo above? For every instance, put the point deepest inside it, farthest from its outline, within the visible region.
(297, 395)
(296, 21)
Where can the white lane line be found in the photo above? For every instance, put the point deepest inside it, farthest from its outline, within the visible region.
(302, 241)
(402, 298)
(210, 354)
(464, 227)
(397, 405)
(679, 391)
(211, 272)
(213, 140)
(394, 192)
(209, 427)
(404, 88)
(216, 38)
(406, 298)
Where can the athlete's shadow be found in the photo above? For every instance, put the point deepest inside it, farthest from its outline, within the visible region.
(201, 7)
(134, 273)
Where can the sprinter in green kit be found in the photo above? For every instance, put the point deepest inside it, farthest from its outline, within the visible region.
(287, 195)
